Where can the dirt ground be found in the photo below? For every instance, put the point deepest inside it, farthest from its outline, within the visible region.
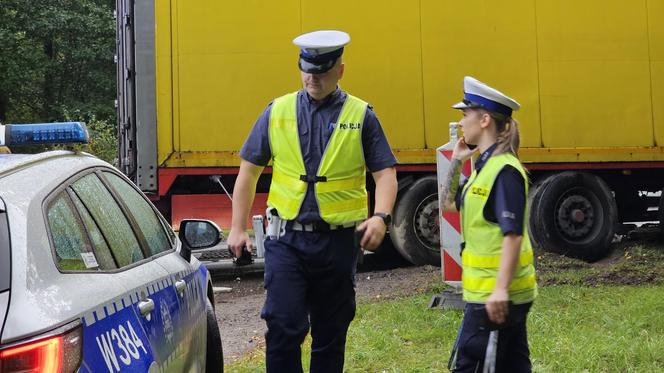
(238, 311)
(635, 259)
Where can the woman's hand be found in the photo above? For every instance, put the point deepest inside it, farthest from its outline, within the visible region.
(461, 150)
(497, 306)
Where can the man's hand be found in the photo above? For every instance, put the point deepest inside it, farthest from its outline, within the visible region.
(374, 234)
(243, 198)
(497, 306)
(238, 239)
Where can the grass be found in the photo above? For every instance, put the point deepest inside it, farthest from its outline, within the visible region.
(602, 329)
(603, 317)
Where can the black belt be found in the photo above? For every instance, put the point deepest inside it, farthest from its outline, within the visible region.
(317, 226)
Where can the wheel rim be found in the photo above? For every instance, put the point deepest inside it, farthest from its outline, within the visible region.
(578, 215)
(426, 223)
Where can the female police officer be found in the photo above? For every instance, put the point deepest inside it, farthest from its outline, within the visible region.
(320, 139)
(498, 273)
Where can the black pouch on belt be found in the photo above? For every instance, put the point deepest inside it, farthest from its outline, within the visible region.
(244, 259)
(357, 238)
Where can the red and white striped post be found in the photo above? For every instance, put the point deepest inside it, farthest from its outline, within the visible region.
(450, 224)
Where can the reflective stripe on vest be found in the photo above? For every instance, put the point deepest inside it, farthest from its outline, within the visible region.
(493, 261)
(484, 239)
(487, 284)
(340, 187)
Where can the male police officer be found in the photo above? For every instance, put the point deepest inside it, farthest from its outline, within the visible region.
(320, 139)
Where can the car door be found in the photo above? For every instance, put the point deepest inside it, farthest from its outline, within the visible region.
(191, 300)
(184, 301)
(5, 257)
(129, 333)
(114, 339)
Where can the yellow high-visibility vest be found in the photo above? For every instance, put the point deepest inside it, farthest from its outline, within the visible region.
(340, 183)
(484, 239)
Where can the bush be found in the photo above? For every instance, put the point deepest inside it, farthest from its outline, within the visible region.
(103, 140)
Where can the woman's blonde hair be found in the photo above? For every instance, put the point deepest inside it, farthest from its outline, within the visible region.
(507, 130)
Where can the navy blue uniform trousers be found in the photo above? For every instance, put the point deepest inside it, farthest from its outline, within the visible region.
(513, 355)
(310, 283)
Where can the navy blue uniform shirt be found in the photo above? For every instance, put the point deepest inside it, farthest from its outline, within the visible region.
(507, 200)
(316, 121)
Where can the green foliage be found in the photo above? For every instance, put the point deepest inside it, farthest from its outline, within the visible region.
(103, 140)
(56, 56)
(56, 64)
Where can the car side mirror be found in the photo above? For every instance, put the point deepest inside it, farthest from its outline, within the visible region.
(197, 234)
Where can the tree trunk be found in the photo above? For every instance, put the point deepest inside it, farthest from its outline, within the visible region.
(4, 106)
(49, 88)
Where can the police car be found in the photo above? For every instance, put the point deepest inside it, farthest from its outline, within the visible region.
(92, 278)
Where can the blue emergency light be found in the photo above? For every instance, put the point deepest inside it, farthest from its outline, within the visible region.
(43, 133)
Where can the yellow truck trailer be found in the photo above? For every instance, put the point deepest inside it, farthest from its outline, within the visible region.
(193, 76)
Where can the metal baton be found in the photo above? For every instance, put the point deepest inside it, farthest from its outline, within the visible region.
(491, 351)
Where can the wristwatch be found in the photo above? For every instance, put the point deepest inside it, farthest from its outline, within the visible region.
(387, 218)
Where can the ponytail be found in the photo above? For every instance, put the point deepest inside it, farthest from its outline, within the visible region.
(509, 139)
(507, 129)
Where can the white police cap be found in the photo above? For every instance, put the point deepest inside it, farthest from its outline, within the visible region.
(479, 95)
(319, 50)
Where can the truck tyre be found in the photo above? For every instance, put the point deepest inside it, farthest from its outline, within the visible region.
(534, 197)
(534, 231)
(214, 357)
(415, 230)
(574, 214)
(535, 212)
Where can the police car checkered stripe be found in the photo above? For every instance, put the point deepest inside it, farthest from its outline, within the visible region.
(179, 350)
(119, 305)
(100, 313)
(134, 297)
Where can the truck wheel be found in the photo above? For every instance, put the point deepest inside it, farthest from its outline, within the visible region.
(534, 231)
(415, 230)
(574, 214)
(535, 212)
(214, 357)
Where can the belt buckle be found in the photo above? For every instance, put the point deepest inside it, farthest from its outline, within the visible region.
(297, 226)
(321, 226)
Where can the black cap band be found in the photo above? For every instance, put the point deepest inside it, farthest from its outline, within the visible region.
(312, 68)
(318, 64)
